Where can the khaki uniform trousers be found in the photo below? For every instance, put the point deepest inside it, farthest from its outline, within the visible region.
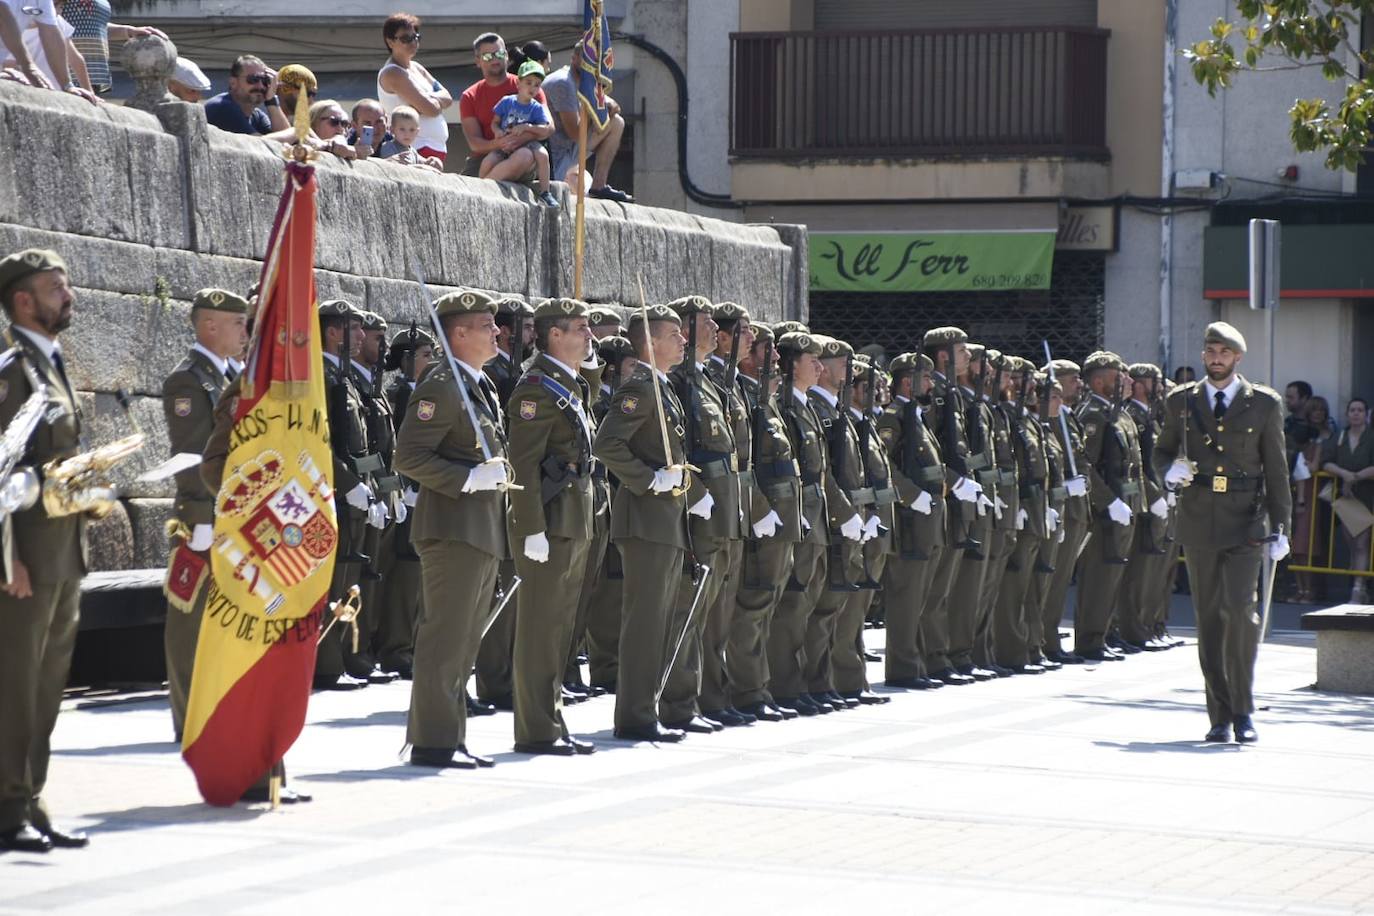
(965, 597)
(1003, 546)
(766, 564)
(593, 565)
(679, 700)
(180, 634)
(459, 581)
(494, 669)
(1057, 589)
(329, 656)
(1135, 611)
(906, 587)
(37, 635)
(548, 599)
(1010, 634)
(1032, 607)
(603, 597)
(1098, 583)
(1225, 596)
(823, 621)
(934, 618)
(849, 670)
(652, 577)
(787, 634)
(401, 602)
(715, 634)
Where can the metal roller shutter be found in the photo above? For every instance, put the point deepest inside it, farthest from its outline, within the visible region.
(951, 14)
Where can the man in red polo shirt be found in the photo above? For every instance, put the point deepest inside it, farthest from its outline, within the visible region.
(476, 105)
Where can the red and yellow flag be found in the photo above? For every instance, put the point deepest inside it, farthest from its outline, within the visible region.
(275, 529)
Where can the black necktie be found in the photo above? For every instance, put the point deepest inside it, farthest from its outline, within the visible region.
(61, 370)
(489, 395)
(230, 374)
(1220, 410)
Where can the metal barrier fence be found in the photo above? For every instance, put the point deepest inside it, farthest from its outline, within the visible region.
(1323, 515)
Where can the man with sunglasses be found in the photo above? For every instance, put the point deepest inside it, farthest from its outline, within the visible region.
(250, 105)
(479, 101)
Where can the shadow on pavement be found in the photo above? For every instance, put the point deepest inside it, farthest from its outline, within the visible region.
(1167, 747)
(379, 717)
(168, 815)
(146, 747)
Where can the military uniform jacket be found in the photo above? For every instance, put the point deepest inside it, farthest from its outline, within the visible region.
(924, 473)
(846, 464)
(1245, 447)
(822, 498)
(380, 424)
(1005, 458)
(1112, 454)
(1054, 456)
(630, 443)
(1032, 472)
(542, 428)
(1151, 484)
(502, 374)
(437, 447)
(1075, 507)
(53, 549)
(189, 397)
(739, 402)
(877, 475)
(937, 418)
(715, 452)
(349, 428)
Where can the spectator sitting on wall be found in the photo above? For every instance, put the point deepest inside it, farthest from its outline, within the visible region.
(531, 50)
(404, 81)
(521, 115)
(405, 127)
(93, 32)
(188, 82)
(288, 89)
(369, 125)
(330, 125)
(44, 40)
(476, 106)
(560, 89)
(24, 69)
(250, 105)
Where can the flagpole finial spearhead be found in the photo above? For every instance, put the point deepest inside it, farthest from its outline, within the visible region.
(303, 81)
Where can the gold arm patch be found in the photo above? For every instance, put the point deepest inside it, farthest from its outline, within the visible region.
(629, 405)
(527, 410)
(424, 410)
(182, 407)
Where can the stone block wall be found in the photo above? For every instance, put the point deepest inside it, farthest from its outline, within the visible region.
(147, 208)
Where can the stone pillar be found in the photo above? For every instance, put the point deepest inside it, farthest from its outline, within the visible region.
(150, 60)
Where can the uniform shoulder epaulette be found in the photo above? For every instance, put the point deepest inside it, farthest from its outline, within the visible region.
(1266, 391)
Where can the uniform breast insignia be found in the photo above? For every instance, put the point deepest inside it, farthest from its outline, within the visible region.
(425, 410)
(887, 435)
(527, 409)
(182, 407)
(629, 405)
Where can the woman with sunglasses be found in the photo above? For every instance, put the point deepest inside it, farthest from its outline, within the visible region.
(330, 126)
(404, 81)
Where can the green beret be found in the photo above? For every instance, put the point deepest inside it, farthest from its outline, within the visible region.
(796, 343)
(614, 348)
(411, 339)
(1104, 359)
(339, 308)
(729, 311)
(939, 337)
(762, 331)
(655, 313)
(1016, 363)
(29, 261)
(1144, 370)
(600, 315)
(465, 302)
(373, 322)
(1064, 367)
(691, 305)
(220, 300)
(863, 369)
(561, 308)
(926, 363)
(1220, 332)
(513, 305)
(978, 351)
(903, 364)
(790, 327)
(831, 348)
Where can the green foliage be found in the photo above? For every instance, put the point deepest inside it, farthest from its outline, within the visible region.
(1300, 33)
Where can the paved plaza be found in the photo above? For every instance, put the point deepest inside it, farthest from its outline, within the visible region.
(1083, 791)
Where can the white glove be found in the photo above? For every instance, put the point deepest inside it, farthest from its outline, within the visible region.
(871, 528)
(537, 547)
(1059, 535)
(998, 507)
(984, 504)
(401, 509)
(360, 497)
(1077, 486)
(1301, 470)
(201, 537)
(1022, 516)
(1052, 520)
(853, 529)
(1180, 473)
(1279, 549)
(489, 475)
(1160, 508)
(377, 515)
(767, 526)
(666, 480)
(1119, 512)
(922, 503)
(703, 507)
(1172, 497)
(410, 497)
(966, 490)
(806, 526)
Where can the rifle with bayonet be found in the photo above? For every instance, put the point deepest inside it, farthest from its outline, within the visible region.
(865, 439)
(906, 516)
(1111, 470)
(954, 408)
(758, 434)
(787, 403)
(837, 568)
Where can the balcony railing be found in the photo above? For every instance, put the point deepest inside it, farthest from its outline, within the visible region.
(949, 92)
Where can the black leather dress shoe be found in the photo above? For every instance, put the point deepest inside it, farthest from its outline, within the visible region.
(783, 711)
(727, 717)
(950, 676)
(821, 704)
(696, 725)
(24, 838)
(840, 700)
(1245, 730)
(872, 656)
(651, 732)
(572, 698)
(1113, 655)
(978, 674)
(263, 794)
(484, 762)
(762, 712)
(378, 676)
(1064, 658)
(604, 686)
(441, 759)
(905, 683)
(716, 724)
(505, 702)
(1154, 645)
(342, 682)
(1092, 655)
(480, 708)
(1027, 669)
(555, 748)
(1219, 734)
(744, 717)
(1128, 648)
(795, 706)
(404, 668)
(1046, 663)
(1001, 670)
(866, 697)
(581, 745)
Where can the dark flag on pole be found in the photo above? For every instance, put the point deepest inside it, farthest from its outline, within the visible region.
(595, 63)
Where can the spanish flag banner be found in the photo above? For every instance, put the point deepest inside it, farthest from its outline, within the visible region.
(275, 529)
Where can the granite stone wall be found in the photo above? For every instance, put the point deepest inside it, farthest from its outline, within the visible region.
(148, 208)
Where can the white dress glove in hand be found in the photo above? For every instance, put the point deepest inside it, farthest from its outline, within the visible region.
(1279, 549)
(806, 526)
(966, 490)
(1052, 519)
(984, 504)
(1059, 535)
(360, 497)
(998, 507)
(922, 503)
(1160, 508)
(1077, 486)
(666, 479)
(767, 526)
(489, 475)
(703, 507)
(1180, 473)
(537, 547)
(871, 528)
(201, 537)
(402, 511)
(410, 497)
(377, 515)
(1022, 516)
(1119, 512)
(854, 528)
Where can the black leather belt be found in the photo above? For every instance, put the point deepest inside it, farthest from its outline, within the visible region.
(1219, 484)
(772, 470)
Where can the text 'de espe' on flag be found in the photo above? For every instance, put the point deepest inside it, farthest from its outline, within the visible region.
(275, 530)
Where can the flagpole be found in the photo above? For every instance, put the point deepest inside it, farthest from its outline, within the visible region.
(579, 225)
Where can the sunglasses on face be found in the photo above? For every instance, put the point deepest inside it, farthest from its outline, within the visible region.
(258, 79)
(489, 56)
(409, 39)
(338, 122)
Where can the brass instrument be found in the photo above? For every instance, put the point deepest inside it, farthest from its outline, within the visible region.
(19, 489)
(81, 483)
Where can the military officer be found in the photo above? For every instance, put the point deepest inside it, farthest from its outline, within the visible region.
(459, 525)
(1006, 509)
(189, 395)
(45, 555)
(1113, 462)
(605, 322)
(409, 354)
(354, 467)
(1137, 611)
(648, 516)
(1047, 551)
(1068, 433)
(1222, 445)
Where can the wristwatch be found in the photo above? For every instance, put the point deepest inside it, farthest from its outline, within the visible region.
(273, 102)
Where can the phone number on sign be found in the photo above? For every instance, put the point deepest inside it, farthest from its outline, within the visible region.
(1009, 281)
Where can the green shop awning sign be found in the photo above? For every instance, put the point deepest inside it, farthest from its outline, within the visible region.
(897, 262)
